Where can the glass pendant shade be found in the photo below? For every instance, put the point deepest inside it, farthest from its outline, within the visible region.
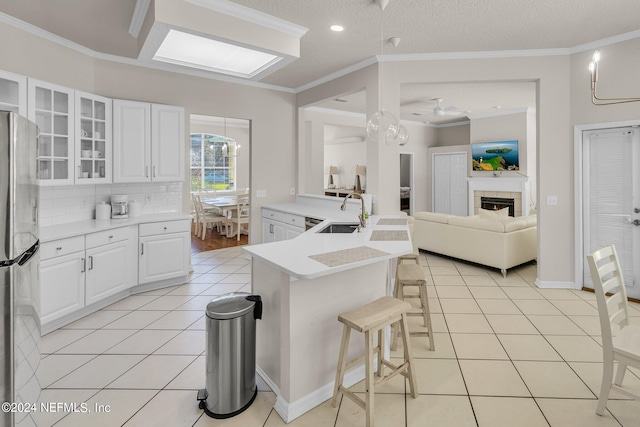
(383, 124)
(403, 136)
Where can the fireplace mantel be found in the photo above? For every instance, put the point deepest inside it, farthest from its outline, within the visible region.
(512, 185)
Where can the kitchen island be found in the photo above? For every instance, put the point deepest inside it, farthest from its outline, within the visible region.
(305, 283)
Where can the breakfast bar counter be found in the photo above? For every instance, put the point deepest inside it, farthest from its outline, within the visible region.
(305, 283)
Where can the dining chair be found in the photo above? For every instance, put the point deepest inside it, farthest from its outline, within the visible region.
(240, 218)
(620, 339)
(205, 218)
(194, 215)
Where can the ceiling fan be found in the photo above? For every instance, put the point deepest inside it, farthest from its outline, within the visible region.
(441, 111)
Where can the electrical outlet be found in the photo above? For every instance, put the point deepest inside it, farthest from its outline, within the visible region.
(552, 200)
(293, 191)
(261, 193)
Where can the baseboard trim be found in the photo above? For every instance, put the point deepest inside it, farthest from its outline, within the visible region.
(289, 411)
(552, 284)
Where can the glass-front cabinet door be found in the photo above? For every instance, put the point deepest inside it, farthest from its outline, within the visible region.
(51, 108)
(13, 93)
(93, 139)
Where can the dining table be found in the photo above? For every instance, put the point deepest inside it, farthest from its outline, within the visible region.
(227, 204)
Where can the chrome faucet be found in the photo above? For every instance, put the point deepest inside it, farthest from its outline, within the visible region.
(363, 220)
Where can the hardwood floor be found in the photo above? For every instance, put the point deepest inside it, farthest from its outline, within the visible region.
(214, 240)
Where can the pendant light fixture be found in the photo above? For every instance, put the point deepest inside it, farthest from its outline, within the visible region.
(403, 136)
(595, 100)
(382, 124)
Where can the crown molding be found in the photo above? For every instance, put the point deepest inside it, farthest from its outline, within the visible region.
(137, 19)
(605, 42)
(251, 15)
(53, 38)
(336, 112)
(343, 72)
(502, 113)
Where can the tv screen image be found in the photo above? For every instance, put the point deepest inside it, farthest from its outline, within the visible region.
(495, 156)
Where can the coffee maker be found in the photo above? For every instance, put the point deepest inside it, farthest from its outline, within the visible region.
(119, 206)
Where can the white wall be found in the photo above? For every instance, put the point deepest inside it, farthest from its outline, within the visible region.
(453, 135)
(345, 156)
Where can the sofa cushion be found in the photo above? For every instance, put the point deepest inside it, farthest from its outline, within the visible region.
(477, 223)
(432, 216)
(491, 214)
(519, 223)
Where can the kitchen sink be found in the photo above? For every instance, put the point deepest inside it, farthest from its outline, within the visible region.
(340, 228)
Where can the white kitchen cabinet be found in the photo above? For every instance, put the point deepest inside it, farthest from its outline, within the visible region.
(277, 226)
(272, 231)
(164, 250)
(13, 93)
(106, 274)
(148, 142)
(79, 271)
(62, 275)
(167, 143)
(93, 143)
(51, 107)
(291, 232)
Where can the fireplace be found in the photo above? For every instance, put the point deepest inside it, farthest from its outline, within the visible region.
(497, 203)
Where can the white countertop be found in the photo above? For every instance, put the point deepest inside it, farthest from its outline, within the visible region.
(72, 229)
(292, 256)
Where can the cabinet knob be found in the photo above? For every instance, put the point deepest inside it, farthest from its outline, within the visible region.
(165, 228)
(59, 248)
(111, 237)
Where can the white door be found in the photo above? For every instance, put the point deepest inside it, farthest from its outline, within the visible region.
(131, 141)
(611, 199)
(62, 286)
(164, 257)
(450, 183)
(106, 272)
(167, 143)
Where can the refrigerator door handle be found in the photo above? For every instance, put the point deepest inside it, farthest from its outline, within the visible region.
(29, 253)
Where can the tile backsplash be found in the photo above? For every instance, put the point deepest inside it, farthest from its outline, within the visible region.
(66, 204)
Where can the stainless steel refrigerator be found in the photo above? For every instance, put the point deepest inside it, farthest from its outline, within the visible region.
(19, 272)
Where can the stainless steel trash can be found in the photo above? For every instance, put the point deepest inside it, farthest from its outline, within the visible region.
(230, 354)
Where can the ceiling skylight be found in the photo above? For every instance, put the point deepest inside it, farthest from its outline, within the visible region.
(199, 52)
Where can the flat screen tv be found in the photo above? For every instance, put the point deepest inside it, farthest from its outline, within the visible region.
(495, 156)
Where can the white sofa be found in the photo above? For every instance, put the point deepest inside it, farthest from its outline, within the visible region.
(494, 241)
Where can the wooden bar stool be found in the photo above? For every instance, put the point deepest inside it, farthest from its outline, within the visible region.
(413, 275)
(369, 319)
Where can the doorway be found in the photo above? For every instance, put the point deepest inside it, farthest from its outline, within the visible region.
(219, 170)
(611, 199)
(406, 183)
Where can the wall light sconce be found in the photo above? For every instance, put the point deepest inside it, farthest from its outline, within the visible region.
(595, 100)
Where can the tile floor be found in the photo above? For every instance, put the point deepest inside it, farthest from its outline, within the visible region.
(507, 354)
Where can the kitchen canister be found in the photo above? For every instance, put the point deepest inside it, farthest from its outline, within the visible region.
(135, 208)
(103, 210)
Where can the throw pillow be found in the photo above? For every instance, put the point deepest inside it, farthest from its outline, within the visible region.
(489, 214)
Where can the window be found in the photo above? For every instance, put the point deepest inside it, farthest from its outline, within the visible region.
(213, 162)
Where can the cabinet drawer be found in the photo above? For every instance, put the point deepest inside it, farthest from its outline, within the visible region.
(61, 247)
(287, 218)
(165, 227)
(108, 236)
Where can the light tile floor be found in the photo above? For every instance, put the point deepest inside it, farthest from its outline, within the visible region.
(507, 354)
